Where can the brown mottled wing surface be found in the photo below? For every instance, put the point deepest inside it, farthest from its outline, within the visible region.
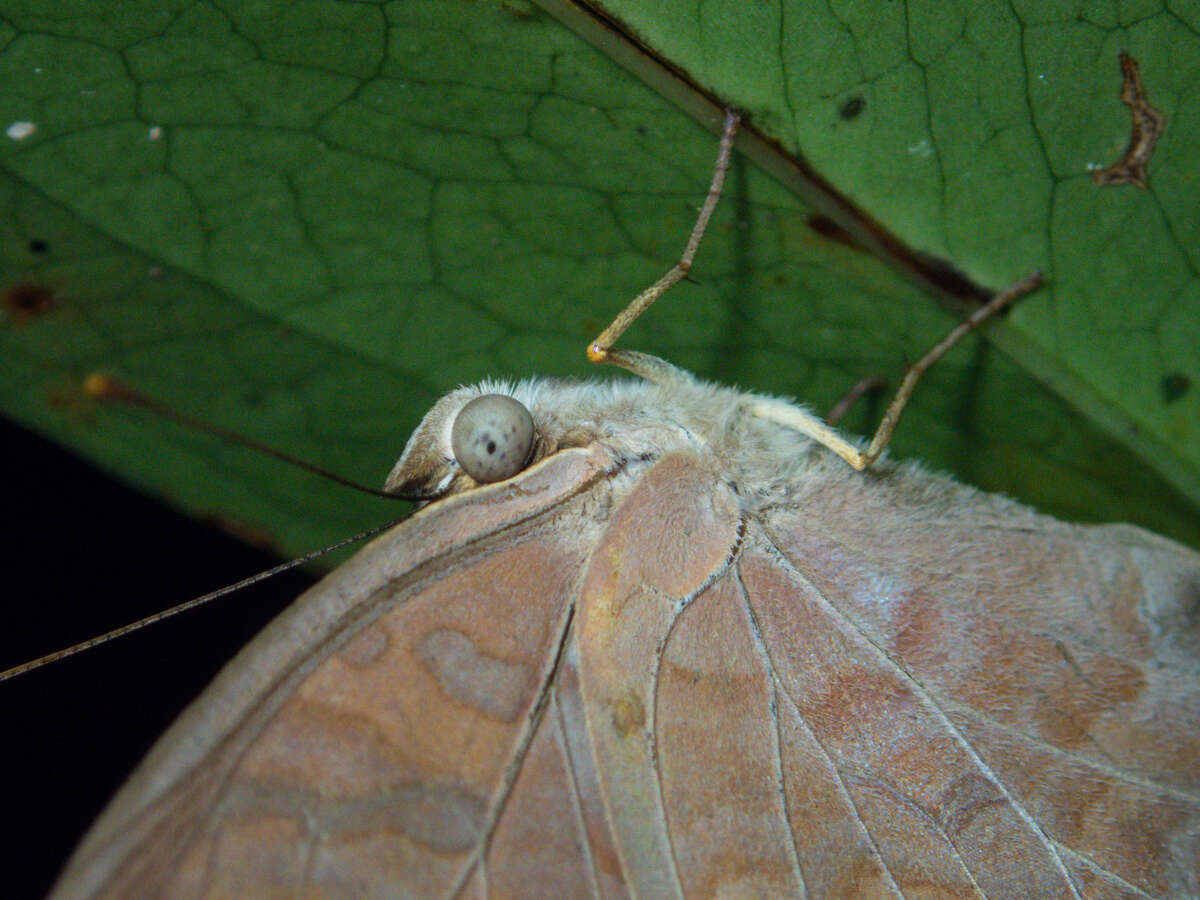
(898, 687)
(891, 686)
(969, 699)
(386, 734)
(440, 717)
(601, 682)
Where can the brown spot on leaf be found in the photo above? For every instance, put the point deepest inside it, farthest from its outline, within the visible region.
(1144, 133)
(1175, 385)
(852, 108)
(953, 281)
(27, 301)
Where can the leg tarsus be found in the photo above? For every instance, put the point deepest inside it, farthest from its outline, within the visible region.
(870, 385)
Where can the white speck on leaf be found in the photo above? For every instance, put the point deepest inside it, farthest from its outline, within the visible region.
(922, 148)
(18, 131)
(156, 132)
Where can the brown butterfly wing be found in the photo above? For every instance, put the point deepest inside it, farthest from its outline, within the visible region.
(387, 730)
(859, 694)
(898, 687)
(1004, 702)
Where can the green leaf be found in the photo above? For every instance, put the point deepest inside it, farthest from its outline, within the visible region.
(304, 221)
(973, 135)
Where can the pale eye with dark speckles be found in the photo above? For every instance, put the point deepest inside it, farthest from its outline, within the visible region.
(491, 437)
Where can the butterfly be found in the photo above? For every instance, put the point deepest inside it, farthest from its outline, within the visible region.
(657, 638)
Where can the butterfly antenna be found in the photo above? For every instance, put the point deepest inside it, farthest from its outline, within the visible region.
(185, 606)
(109, 389)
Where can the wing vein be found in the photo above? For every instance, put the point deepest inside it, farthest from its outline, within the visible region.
(760, 645)
(511, 771)
(576, 800)
(920, 690)
(1117, 774)
(842, 788)
(652, 731)
(682, 605)
(1109, 875)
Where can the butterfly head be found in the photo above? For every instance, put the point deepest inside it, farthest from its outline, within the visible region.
(480, 435)
(494, 431)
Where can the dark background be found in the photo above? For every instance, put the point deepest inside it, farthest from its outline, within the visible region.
(82, 554)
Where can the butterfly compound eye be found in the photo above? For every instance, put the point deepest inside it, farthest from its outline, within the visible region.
(491, 437)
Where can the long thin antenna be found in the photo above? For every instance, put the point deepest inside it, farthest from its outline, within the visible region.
(109, 389)
(185, 606)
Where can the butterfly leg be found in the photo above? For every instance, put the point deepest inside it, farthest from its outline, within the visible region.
(790, 416)
(869, 385)
(650, 367)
